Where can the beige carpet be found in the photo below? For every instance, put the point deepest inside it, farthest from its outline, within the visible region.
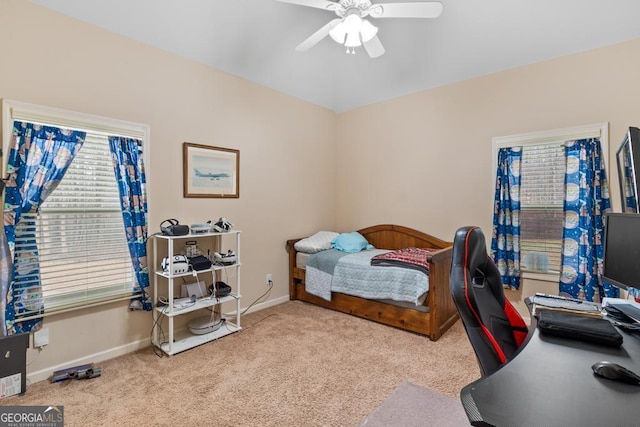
(292, 365)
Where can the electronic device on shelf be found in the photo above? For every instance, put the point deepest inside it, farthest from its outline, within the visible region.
(172, 227)
(197, 289)
(205, 324)
(219, 289)
(200, 228)
(191, 248)
(184, 302)
(180, 264)
(228, 258)
(199, 263)
(223, 225)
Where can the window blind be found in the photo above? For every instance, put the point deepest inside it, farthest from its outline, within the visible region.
(83, 254)
(541, 202)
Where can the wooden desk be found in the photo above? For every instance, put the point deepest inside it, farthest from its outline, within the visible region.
(550, 383)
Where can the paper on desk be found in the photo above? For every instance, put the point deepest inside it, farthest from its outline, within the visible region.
(583, 308)
(606, 301)
(628, 308)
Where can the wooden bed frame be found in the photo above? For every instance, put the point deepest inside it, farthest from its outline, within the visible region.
(441, 313)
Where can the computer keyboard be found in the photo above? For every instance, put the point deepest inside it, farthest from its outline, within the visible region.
(558, 297)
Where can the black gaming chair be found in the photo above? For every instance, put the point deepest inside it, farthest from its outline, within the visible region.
(494, 327)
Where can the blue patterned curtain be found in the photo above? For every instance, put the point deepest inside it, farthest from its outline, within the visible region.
(586, 201)
(505, 241)
(38, 158)
(130, 175)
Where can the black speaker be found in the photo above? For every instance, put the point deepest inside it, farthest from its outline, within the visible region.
(200, 262)
(221, 289)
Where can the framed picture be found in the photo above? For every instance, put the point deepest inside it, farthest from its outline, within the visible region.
(210, 171)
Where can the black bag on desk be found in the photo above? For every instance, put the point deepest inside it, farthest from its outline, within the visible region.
(590, 329)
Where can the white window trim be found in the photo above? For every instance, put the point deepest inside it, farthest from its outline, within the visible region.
(598, 130)
(17, 110)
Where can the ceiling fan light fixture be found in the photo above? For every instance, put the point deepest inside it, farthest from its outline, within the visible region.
(339, 33)
(353, 39)
(353, 31)
(353, 22)
(368, 30)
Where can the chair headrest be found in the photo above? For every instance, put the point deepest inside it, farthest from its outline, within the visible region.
(469, 248)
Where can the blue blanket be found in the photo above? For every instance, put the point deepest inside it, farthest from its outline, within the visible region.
(353, 274)
(325, 260)
(319, 272)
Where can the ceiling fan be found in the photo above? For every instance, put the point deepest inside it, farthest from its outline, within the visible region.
(352, 30)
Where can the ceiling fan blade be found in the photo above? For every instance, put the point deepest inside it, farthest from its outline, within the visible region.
(374, 47)
(428, 9)
(317, 36)
(320, 4)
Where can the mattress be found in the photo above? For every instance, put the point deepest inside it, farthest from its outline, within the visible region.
(301, 262)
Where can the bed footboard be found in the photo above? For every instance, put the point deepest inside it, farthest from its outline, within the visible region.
(442, 308)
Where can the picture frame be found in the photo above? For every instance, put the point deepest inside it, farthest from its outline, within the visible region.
(210, 171)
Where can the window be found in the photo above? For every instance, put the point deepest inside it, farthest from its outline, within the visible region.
(83, 254)
(541, 202)
(542, 172)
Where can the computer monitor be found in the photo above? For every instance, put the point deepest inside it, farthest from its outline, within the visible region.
(622, 250)
(628, 159)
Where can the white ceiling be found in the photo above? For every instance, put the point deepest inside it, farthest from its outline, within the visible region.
(255, 40)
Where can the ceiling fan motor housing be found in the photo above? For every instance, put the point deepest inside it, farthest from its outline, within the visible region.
(348, 7)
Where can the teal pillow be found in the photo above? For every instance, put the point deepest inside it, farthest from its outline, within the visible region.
(350, 242)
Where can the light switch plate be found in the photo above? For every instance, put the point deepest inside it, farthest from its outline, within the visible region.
(41, 338)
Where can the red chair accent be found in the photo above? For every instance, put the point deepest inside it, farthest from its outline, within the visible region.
(496, 330)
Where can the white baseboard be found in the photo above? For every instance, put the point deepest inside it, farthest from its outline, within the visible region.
(262, 305)
(44, 374)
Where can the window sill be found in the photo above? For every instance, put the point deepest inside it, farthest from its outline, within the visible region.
(541, 276)
(72, 301)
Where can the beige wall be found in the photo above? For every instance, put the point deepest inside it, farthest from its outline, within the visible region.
(286, 149)
(422, 160)
(427, 157)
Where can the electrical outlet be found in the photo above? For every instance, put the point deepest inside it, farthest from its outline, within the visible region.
(269, 280)
(41, 338)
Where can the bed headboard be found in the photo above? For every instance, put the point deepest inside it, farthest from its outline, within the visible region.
(390, 236)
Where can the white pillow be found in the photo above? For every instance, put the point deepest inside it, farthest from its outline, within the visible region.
(320, 241)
